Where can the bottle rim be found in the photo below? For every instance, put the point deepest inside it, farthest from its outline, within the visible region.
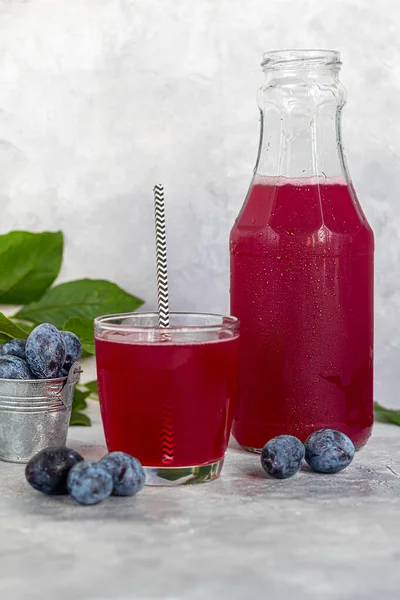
(303, 59)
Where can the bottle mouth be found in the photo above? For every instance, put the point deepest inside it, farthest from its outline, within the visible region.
(301, 59)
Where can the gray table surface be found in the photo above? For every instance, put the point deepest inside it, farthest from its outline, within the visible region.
(242, 537)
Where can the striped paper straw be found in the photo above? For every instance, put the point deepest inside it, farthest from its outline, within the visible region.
(167, 431)
(161, 256)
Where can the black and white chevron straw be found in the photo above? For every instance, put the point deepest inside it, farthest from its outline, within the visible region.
(161, 256)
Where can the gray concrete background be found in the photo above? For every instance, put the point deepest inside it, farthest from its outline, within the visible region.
(243, 537)
(99, 99)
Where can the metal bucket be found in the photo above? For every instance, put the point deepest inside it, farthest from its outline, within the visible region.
(35, 414)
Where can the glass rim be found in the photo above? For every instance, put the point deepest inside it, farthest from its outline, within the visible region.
(228, 322)
(298, 57)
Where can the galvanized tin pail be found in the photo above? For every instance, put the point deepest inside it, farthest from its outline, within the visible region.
(35, 414)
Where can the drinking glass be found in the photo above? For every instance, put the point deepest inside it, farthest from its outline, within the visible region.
(167, 394)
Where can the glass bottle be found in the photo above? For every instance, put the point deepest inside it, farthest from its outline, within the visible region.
(302, 265)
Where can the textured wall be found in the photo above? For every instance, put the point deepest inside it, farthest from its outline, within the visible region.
(99, 99)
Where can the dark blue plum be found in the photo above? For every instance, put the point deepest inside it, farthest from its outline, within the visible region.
(127, 473)
(89, 482)
(45, 351)
(329, 451)
(12, 367)
(63, 372)
(73, 348)
(48, 470)
(282, 456)
(15, 348)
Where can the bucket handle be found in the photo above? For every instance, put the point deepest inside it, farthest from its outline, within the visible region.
(67, 395)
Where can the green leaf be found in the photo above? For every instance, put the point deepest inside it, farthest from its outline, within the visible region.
(28, 327)
(92, 386)
(79, 418)
(83, 328)
(90, 390)
(79, 401)
(87, 298)
(386, 415)
(29, 263)
(10, 330)
(78, 405)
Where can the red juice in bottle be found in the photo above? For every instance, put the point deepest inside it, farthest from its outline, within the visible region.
(302, 266)
(302, 277)
(168, 404)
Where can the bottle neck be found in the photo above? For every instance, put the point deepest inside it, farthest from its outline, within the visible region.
(301, 124)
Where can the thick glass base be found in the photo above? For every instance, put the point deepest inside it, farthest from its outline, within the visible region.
(254, 450)
(183, 475)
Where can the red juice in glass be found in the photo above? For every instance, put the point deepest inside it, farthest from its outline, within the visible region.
(302, 286)
(167, 395)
